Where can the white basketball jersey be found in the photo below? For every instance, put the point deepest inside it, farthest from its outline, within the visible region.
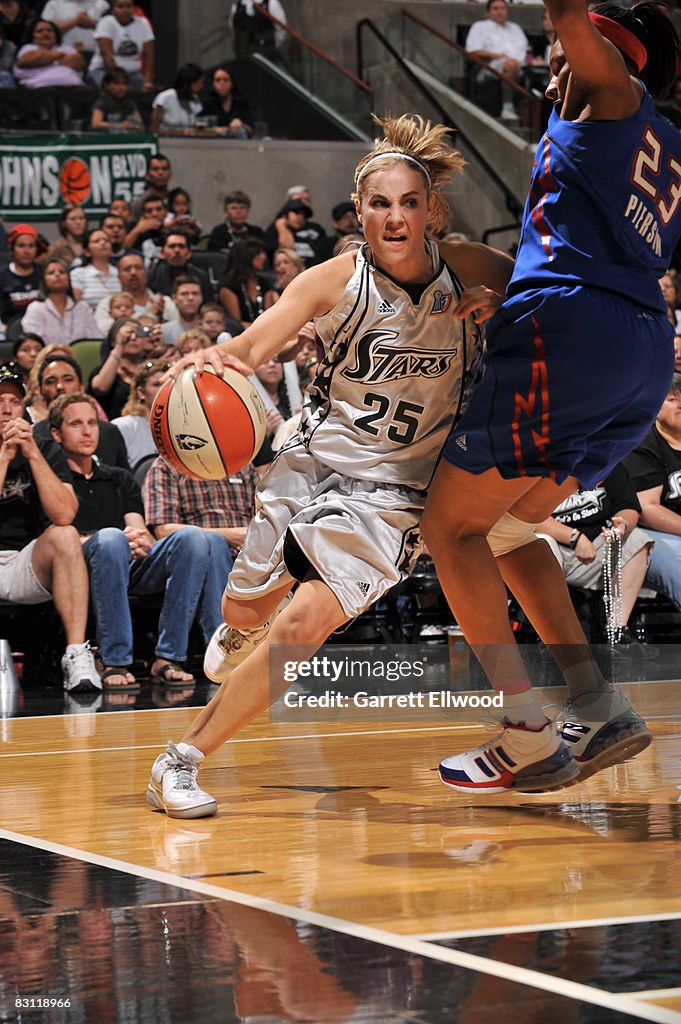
(394, 378)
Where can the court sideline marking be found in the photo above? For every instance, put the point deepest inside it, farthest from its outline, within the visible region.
(262, 739)
(457, 958)
(247, 739)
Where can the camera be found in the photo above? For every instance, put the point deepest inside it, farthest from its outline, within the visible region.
(144, 332)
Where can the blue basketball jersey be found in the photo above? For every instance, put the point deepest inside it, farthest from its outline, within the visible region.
(604, 207)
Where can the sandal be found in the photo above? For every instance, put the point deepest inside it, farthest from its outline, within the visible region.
(109, 671)
(160, 678)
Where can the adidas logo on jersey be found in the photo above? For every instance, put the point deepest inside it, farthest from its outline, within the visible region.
(461, 441)
(364, 587)
(385, 307)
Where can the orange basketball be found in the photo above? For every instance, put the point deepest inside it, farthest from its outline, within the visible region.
(208, 427)
(74, 180)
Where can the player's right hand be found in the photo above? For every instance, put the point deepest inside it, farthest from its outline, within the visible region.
(206, 356)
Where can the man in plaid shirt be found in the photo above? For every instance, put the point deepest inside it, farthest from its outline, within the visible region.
(223, 508)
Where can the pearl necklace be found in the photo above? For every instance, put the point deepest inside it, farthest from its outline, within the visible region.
(612, 584)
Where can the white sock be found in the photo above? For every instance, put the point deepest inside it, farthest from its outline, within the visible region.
(586, 677)
(523, 708)
(74, 648)
(247, 633)
(190, 752)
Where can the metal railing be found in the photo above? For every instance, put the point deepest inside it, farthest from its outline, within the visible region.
(322, 76)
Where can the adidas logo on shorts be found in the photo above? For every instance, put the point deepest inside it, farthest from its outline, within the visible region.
(364, 587)
(461, 441)
(385, 307)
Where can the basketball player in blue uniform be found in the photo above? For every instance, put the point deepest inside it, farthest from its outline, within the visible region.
(579, 361)
(339, 508)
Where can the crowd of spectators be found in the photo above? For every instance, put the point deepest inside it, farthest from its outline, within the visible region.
(109, 45)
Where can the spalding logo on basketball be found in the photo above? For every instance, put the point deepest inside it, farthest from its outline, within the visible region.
(74, 180)
(208, 427)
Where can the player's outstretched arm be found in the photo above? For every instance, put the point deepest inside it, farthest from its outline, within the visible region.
(311, 294)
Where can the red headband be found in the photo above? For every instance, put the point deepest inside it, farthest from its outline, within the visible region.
(622, 38)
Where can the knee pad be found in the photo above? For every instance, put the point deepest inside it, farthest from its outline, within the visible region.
(510, 533)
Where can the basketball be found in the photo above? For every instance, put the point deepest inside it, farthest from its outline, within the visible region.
(74, 181)
(208, 427)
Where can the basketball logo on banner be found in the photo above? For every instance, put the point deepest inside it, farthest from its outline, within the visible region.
(74, 180)
(38, 175)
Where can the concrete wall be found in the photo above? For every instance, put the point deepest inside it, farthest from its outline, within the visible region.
(208, 168)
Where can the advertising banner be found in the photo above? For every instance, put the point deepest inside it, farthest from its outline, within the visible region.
(40, 173)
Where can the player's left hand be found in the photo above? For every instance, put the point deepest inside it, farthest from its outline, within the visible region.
(479, 302)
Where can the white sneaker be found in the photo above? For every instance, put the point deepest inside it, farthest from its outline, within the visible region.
(508, 112)
(602, 729)
(80, 671)
(526, 760)
(173, 787)
(228, 647)
(433, 633)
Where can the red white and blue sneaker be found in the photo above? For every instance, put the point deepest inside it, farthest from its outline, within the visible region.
(521, 759)
(602, 729)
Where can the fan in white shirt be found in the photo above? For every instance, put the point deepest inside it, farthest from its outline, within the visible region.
(98, 277)
(503, 45)
(125, 40)
(76, 20)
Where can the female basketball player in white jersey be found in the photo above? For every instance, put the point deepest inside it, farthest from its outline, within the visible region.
(339, 509)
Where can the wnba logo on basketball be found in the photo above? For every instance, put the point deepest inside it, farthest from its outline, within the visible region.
(74, 180)
(189, 442)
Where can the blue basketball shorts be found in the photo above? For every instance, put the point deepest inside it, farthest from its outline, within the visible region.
(574, 378)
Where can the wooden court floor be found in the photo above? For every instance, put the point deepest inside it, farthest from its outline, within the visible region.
(340, 881)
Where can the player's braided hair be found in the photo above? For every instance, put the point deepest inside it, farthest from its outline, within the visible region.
(423, 144)
(650, 21)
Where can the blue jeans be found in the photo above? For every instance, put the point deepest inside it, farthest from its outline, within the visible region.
(664, 569)
(188, 567)
(220, 563)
